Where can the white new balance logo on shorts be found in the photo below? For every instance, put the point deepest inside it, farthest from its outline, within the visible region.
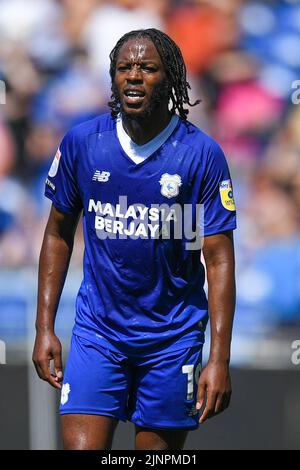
(101, 176)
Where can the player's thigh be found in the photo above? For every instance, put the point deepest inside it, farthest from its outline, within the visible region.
(95, 381)
(87, 432)
(153, 439)
(94, 395)
(163, 395)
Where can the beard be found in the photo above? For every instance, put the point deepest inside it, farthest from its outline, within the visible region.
(161, 94)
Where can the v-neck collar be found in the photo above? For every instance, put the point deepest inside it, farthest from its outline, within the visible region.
(138, 154)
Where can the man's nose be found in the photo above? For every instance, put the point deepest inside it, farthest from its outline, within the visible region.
(135, 74)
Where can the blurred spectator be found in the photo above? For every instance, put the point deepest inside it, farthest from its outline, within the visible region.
(246, 113)
(76, 15)
(276, 215)
(14, 204)
(20, 19)
(72, 96)
(203, 29)
(109, 22)
(7, 161)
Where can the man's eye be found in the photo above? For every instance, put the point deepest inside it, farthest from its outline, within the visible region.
(123, 68)
(149, 69)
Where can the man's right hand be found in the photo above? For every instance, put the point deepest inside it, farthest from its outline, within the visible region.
(47, 347)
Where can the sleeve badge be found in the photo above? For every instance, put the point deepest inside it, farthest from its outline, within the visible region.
(55, 164)
(226, 193)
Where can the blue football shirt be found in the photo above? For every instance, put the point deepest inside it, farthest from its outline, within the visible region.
(142, 289)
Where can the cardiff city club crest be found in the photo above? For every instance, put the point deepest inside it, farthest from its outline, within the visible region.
(226, 194)
(170, 185)
(65, 393)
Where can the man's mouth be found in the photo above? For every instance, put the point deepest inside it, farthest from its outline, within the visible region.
(133, 96)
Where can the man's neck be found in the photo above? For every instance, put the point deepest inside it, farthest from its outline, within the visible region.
(142, 130)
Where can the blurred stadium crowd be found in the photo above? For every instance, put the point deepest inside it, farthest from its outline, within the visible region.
(242, 59)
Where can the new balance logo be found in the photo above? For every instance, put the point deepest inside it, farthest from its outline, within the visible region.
(101, 176)
(193, 411)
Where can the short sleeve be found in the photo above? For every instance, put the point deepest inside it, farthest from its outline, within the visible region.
(61, 184)
(216, 194)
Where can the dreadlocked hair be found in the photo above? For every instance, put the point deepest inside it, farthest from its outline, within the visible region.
(173, 62)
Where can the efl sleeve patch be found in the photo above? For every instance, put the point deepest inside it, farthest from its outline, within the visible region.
(55, 164)
(61, 184)
(226, 193)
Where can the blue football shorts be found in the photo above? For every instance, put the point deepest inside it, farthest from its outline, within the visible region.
(157, 391)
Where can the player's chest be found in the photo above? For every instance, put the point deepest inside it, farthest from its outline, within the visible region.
(107, 173)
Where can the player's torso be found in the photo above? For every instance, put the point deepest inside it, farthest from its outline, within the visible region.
(112, 186)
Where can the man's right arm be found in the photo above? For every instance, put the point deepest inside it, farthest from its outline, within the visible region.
(53, 267)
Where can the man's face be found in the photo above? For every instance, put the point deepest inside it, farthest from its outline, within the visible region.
(140, 79)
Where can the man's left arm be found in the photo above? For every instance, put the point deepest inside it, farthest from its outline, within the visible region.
(214, 383)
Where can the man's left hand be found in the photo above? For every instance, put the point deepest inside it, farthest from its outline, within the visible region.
(214, 385)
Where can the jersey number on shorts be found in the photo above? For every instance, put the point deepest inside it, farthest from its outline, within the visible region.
(189, 370)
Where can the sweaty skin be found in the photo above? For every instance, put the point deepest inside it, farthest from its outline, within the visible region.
(53, 266)
(139, 67)
(214, 383)
(137, 52)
